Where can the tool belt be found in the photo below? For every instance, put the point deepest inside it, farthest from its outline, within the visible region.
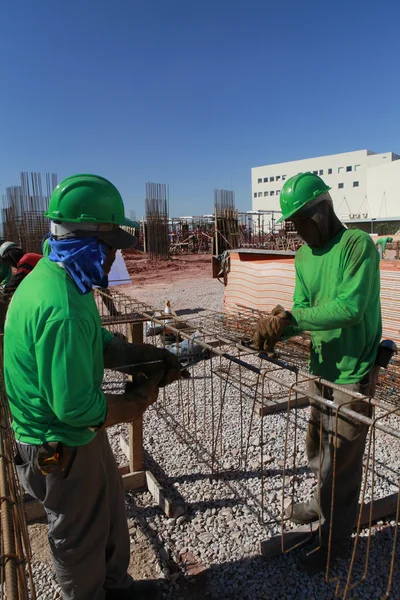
(55, 457)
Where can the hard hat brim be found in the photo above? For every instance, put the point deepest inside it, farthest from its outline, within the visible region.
(288, 216)
(119, 239)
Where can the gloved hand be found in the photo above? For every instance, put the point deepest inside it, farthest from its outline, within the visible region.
(164, 372)
(165, 369)
(270, 329)
(125, 408)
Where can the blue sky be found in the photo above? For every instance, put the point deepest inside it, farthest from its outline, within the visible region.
(193, 94)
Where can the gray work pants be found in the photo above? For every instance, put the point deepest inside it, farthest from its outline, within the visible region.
(88, 531)
(349, 437)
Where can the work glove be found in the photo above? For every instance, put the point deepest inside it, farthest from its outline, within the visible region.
(126, 408)
(270, 329)
(162, 366)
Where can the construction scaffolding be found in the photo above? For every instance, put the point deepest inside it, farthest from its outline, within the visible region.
(156, 234)
(191, 235)
(23, 207)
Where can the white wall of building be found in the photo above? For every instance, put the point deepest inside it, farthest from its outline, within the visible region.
(356, 180)
(383, 185)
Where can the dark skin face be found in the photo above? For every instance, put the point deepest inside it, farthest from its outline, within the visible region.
(13, 256)
(307, 228)
(308, 231)
(318, 224)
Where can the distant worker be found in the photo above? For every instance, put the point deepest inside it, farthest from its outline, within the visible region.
(337, 299)
(381, 244)
(23, 262)
(5, 276)
(5, 272)
(55, 352)
(11, 255)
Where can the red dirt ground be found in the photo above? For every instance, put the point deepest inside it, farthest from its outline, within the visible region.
(145, 271)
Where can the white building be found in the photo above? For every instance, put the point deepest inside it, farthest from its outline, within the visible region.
(364, 185)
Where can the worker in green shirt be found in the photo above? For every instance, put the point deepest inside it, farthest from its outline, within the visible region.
(337, 299)
(383, 242)
(5, 276)
(55, 351)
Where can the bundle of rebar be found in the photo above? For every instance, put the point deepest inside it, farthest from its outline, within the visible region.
(23, 206)
(156, 230)
(15, 555)
(227, 233)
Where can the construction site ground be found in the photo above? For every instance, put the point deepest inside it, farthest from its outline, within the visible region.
(144, 271)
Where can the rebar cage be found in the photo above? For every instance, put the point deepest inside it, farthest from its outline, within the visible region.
(215, 418)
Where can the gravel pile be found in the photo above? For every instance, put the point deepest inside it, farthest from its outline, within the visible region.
(220, 521)
(45, 582)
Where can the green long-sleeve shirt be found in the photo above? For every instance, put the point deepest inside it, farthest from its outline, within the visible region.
(53, 359)
(337, 299)
(383, 241)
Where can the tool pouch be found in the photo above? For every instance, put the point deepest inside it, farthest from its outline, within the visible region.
(55, 457)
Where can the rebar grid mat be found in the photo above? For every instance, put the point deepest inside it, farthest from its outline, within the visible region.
(16, 579)
(213, 416)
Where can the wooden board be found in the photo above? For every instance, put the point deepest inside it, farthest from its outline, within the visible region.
(134, 481)
(159, 495)
(269, 407)
(136, 429)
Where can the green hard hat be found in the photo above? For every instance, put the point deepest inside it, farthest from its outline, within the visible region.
(299, 191)
(87, 199)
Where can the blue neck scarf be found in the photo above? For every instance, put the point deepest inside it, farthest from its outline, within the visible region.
(82, 258)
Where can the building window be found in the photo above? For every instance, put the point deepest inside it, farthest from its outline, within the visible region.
(265, 193)
(271, 178)
(357, 167)
(315, 172)
(329, 171)
(278, 192)
(265, 179)
(349, 169)
(278, 177)
(259, 194)
(321, 171)
(255, 194)
(341, 186)
(340, 169)
(355, 183)
(260, 180)
(272, 193)
(283, 177)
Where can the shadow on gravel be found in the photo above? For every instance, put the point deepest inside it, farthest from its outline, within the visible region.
(254, 578)
(188, 311)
